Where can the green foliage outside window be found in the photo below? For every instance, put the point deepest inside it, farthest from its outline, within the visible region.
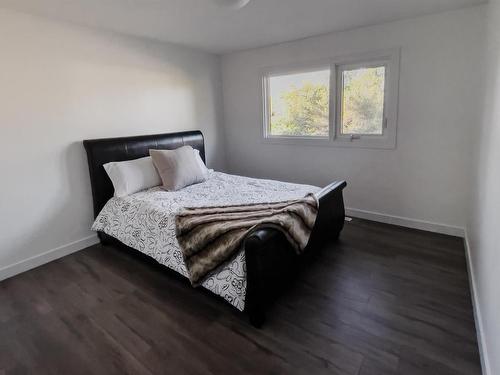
(304, 109)
(363, 101)
(306, 112)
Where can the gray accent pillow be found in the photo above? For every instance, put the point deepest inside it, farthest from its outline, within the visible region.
(178, 168)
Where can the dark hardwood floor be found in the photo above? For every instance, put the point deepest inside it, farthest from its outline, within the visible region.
(382, 300)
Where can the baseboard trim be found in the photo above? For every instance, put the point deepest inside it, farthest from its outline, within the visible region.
(406, 222)
(48, 256)
(483, 352)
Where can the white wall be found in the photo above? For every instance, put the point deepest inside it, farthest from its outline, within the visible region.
(425, 177)
(484, 219)
(60, 84)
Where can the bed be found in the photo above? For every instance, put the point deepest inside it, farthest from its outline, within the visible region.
(145, 221)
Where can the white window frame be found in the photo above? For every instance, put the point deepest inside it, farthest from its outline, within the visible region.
(390, 59)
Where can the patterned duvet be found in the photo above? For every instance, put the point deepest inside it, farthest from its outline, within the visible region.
(145, 221)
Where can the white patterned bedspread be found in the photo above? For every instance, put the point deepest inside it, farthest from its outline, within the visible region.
(145, 221)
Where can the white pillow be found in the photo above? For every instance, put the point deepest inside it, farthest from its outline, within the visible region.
(200, 161)
(131, 176)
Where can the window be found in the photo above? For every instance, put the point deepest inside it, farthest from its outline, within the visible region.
(361, 94)
(299, 104)
(350, 102)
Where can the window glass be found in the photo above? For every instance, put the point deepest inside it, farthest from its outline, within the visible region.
(362, 101)
(299, 104)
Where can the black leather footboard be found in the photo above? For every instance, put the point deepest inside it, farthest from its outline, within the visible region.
(271, 261)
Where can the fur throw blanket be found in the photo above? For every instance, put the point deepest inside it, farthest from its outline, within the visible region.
(209, 236)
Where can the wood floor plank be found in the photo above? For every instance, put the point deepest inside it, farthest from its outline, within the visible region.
(381, 300)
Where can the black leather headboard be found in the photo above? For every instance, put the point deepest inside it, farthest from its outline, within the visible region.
(102, 151)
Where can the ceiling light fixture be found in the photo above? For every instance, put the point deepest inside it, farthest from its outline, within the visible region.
(235, 4)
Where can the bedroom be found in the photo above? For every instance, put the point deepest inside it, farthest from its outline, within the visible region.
(408, 287)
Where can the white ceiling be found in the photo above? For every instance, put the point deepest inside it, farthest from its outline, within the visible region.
(204, 24)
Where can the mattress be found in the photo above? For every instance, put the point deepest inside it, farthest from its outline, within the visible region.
(145, 221)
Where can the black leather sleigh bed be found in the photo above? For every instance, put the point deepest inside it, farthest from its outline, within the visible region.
(271, 263)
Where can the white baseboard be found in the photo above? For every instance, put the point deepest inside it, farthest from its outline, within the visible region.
(483, 352)
(48, 256)
(407, 222)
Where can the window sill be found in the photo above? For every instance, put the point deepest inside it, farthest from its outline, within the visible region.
(384, 144)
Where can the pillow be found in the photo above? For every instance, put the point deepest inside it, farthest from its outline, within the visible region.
(131, 176)
(178, 168)
(200, 160)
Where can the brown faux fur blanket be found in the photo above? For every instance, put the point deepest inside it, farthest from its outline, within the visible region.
(209, 236)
